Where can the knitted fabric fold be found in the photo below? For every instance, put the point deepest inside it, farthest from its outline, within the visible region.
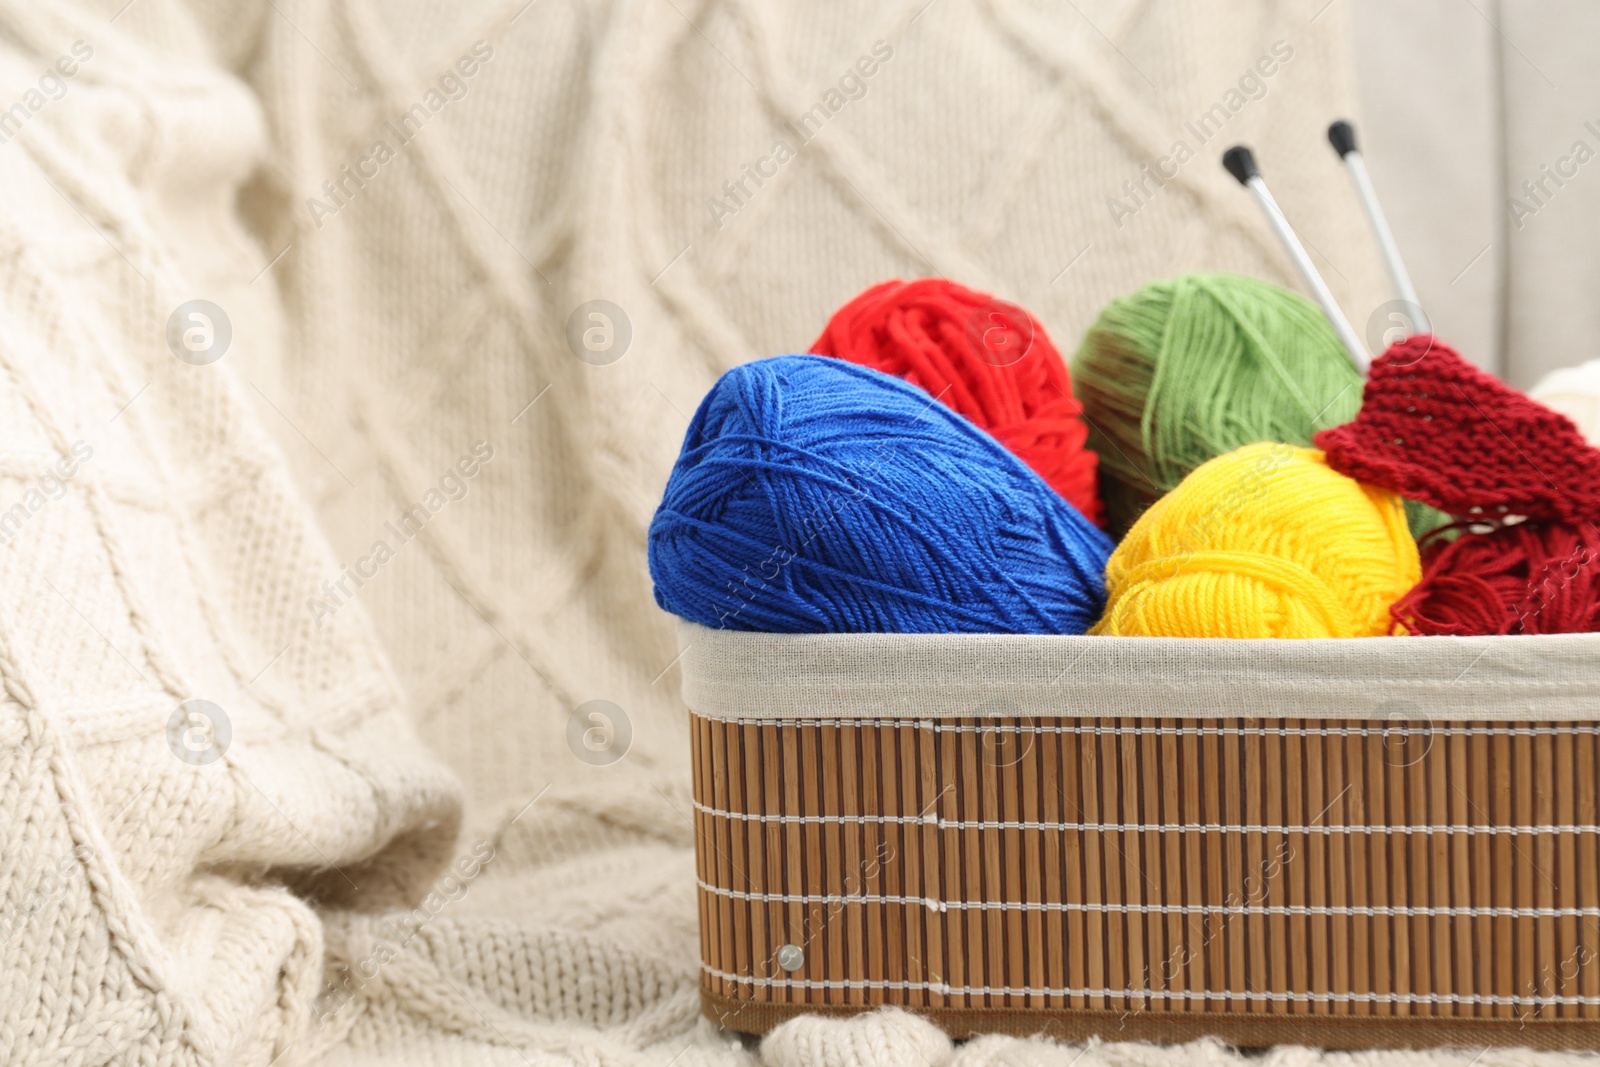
(300, 900)
(1434, 428)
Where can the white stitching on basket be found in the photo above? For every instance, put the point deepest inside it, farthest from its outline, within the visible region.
(1148, 994)
(1352, 910)
(937, 823)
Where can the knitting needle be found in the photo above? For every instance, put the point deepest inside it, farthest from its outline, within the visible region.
(1343, 138)
(1242, 165)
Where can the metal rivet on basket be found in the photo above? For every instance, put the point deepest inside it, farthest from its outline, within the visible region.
(791, 957)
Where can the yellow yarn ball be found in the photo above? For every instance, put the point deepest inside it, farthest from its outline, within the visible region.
(1264, 541)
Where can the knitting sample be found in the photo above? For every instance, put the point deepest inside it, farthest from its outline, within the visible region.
(1434, 428)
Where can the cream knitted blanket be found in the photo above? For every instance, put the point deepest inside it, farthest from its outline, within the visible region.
(275, 795)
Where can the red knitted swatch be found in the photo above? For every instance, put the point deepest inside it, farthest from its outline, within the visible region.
(1434, 428)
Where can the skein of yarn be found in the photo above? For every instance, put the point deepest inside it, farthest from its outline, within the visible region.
(816, 496)
(985, 358)
(1575, 393)
(1528, 578)
(1187, 369)
(1265, 541)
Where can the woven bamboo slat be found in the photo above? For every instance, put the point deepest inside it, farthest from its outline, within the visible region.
(1339, 883)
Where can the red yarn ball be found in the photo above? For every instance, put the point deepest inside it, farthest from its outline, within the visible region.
(985, 358)
(1530, 578)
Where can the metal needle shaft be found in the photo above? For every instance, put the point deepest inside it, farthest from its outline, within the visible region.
(1343, 138)
(1242, 165)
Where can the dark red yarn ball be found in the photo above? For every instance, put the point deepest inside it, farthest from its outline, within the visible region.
(1530, 578)
(985, 358)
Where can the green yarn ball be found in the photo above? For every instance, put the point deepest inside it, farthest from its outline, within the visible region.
(1192, 367)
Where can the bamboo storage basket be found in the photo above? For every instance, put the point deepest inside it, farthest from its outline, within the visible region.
(1381, 842)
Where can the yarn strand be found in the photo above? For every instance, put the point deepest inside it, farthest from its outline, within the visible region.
(1526, 578)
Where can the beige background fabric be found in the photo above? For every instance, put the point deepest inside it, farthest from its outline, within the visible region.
(159, 872)
(1463, 104)
(399, 857)
(1429, 86)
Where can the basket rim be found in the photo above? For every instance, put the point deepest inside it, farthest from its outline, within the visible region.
(733, 674)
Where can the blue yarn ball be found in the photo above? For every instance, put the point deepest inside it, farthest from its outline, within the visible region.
(816, 496)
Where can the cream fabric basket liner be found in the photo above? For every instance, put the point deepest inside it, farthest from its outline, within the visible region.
(732, 674)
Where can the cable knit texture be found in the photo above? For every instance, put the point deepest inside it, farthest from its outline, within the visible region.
(889, 1036)
(306, 898)
(159, 859)
(1434, 428)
